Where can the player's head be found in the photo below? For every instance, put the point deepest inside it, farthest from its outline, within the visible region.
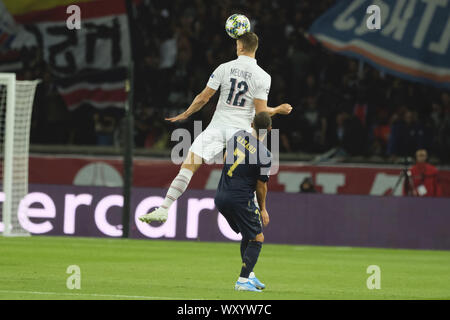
(421, 156)
(247, 44)
(262, 123)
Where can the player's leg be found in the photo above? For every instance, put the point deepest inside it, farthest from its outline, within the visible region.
(250, 258)
(251, 254)
(221, 202)
(206, 146)
(252, 277)
(178, 186)
(243, 247)
(250, 226)
(256, 223)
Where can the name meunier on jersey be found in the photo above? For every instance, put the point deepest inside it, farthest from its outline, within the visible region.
(240, 73)
(247, 161)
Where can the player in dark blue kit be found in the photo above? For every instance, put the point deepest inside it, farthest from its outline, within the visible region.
(245, 172)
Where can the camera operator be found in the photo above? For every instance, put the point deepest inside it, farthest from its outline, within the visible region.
(423, 178)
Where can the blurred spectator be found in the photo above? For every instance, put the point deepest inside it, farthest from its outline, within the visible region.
(51, 121)
(314, 132)
(150, 129)
(440, 117)
(307, 186)
(348, 134)
(105, 125)
(424, 177)
(407, 135)
(142, 125)
(381, 132)
(168, 49)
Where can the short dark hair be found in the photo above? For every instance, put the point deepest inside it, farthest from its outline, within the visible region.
(262, 121)
(249, 41)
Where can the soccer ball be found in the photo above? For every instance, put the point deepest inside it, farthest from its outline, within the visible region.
(237, 25)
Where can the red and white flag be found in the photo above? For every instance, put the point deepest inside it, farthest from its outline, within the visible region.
(89, 64)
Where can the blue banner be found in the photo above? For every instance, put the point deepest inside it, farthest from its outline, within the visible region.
(413, 41)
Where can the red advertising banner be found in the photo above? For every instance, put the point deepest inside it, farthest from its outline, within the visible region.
(338, 179)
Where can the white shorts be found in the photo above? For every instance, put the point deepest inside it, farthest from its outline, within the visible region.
(212, 141)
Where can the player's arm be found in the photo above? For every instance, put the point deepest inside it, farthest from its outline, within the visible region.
(199, 102)
(261, 106)
(261, 193)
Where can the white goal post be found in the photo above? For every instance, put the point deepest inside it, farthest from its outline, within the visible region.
(16, 103)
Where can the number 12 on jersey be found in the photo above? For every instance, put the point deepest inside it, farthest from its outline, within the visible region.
(240, 157)
(243, 87)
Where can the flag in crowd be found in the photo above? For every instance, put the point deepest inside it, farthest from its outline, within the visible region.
(89, 64)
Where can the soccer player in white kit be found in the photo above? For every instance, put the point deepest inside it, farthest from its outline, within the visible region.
(244, 90)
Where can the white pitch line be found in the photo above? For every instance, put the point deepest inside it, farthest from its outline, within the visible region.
(93, 295)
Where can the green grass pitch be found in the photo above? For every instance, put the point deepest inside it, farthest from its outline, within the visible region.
(35, 268)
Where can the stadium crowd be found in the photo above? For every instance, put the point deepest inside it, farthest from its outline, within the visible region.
(338, 102)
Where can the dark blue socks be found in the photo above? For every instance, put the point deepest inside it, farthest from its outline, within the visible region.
(250, 257)
(244, 244)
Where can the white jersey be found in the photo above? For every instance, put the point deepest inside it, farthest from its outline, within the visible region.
(240, 81)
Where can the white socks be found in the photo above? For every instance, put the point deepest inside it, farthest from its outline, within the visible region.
(177, 188)
(252, 275)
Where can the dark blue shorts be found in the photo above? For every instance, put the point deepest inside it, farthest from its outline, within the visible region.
(244, 218)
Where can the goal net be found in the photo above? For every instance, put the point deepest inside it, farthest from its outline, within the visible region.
(16, 102)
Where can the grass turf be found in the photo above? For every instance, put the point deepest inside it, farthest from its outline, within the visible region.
(35, 268)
